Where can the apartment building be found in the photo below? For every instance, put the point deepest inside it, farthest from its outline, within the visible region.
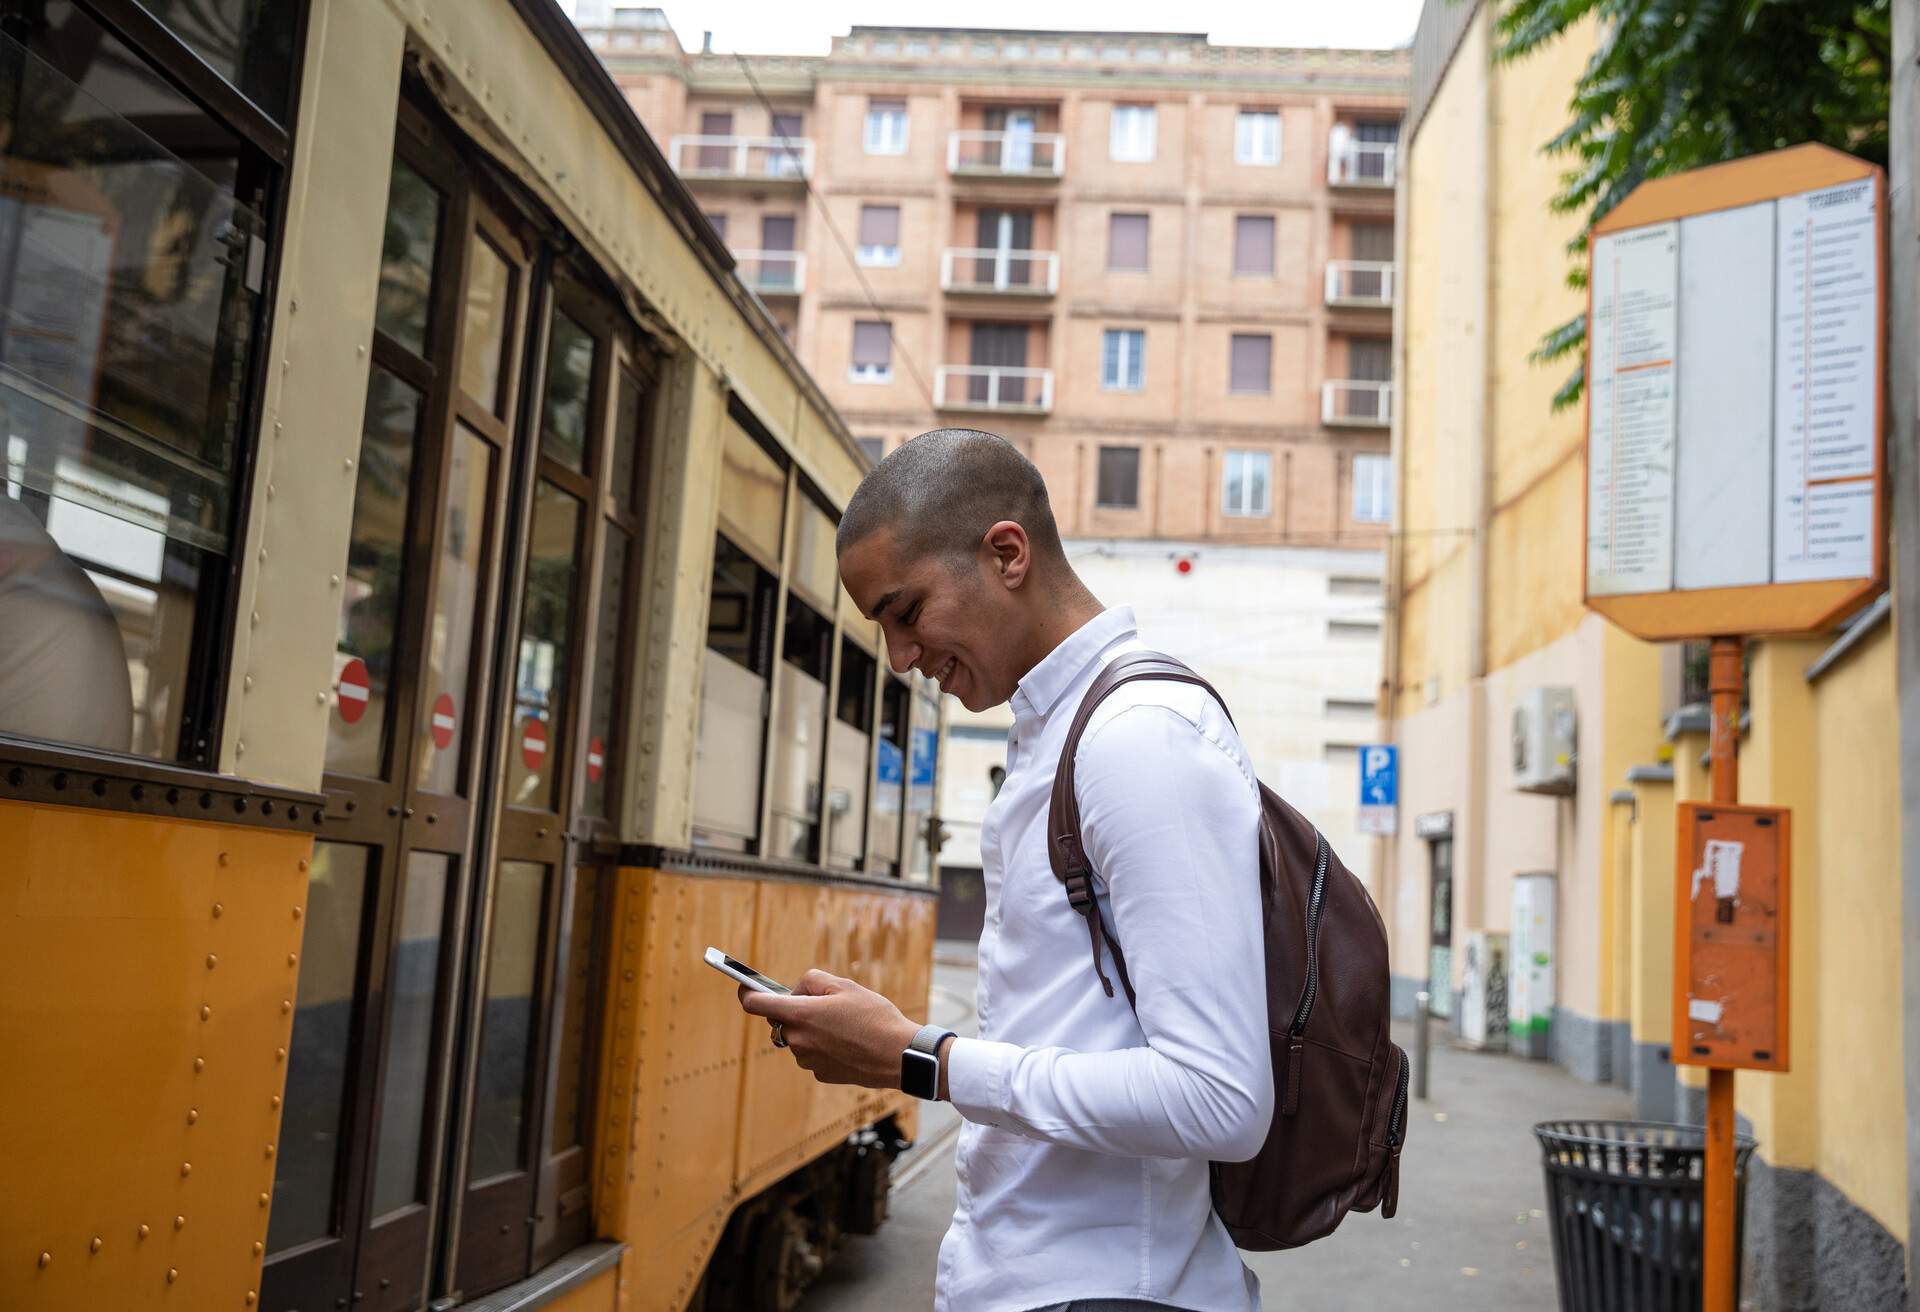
(1162, 267)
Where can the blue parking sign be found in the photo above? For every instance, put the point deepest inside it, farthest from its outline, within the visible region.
(1379, 788)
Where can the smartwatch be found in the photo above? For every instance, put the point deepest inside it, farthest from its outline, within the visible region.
(920, 1063)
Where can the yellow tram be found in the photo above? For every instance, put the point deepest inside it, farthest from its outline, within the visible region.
(419, 640)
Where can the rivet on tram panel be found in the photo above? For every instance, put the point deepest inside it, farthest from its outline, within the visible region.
(212, 961)
(293, 958)
(179, 1223)
(206, 1012)
(296, 910)
(303, 865)
(186, 1169)
(193, 1114)
(275, 1104)
(250, 1297)
(173, 1274)
(240, 748)
(93, 1245)
(256, 618)
(199, 1063)
(257, 1248)
(269, 491)
(335, 581)
(279, 1054)
(348, 463)
(142, 1232)
(321, 698)
(263, 1200)
(286, 1005)
(269, 1150)
(46, 1259)
(247, 683)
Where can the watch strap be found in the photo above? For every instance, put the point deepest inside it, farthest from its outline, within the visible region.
(929, 1038)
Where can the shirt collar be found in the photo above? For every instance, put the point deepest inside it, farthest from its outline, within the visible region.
(1048, 681)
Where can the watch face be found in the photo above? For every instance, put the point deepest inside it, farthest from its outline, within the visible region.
(919, 1074)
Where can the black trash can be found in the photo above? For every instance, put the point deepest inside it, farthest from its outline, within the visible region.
(1625, 1199)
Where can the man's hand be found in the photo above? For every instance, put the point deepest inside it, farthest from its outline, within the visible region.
(842, 1032)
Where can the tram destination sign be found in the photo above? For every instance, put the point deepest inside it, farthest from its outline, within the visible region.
(1735, 376)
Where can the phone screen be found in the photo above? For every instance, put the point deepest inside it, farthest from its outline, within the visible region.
(745, 969)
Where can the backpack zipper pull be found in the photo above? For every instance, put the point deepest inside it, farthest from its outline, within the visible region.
(1295, 1052)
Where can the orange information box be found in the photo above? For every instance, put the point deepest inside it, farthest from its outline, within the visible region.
(1730, 937)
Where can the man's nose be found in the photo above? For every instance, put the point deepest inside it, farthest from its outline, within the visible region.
(901, 656)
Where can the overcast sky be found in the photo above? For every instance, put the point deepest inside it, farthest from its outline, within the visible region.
(769, 27)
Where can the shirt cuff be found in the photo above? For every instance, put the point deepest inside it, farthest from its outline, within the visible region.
(978, 1071)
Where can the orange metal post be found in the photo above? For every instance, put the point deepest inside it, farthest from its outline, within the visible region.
(1724, 678)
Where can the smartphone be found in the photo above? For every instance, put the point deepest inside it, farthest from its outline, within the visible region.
(744, 973)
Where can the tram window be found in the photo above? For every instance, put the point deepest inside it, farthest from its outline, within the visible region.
(247, 42)
(546, 629)
(798, 737)
(603, 738)
(811, 562)
(506, 1028)
(922, 756)
(306, 1170)
(483, 337)
(458, 594)
(753, 490)
(563, 431)
(889, 777)
(739, 660)
(370, 601)
(412, 989)
(406, 259)
(848, 739)
(127, 325)
(570, 1110)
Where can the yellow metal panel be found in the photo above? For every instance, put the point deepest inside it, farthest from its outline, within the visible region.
(147, 970)
(597, 1295)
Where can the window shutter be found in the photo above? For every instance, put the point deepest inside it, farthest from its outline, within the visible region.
(1127, 241)
(1253, 243)
(879, 225)
(872, 344)
(1119, 481)
(1252, 362)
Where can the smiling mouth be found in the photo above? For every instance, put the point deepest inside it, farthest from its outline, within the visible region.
(946, 671)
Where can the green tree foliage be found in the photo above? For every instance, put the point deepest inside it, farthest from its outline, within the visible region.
(1675, 84)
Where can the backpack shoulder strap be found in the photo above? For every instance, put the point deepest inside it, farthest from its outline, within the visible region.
(1065, 850)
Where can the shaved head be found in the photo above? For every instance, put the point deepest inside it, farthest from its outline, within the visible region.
(942, 491)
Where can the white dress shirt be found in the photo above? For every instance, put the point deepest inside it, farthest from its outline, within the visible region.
(1082, 1169)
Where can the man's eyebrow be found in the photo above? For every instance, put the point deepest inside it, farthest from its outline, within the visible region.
(880, 606)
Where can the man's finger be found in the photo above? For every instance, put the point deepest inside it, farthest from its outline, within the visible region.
(774, 1006)
(817, 982)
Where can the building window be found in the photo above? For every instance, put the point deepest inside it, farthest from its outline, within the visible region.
(1351, 707)
(875, 447)
(1353, 628)
(1119, 481)
(1131, 139)
(719, 224)
(1243, 490)
(1127, 243)
(879, 236)
(1253, 245)
(1256, 137)
(1122, 359)
(886, 127)
(1372, 489)
(1251, 364)
(872, 352)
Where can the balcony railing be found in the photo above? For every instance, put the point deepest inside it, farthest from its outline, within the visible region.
(1353, 163)
(993, 387)
(1356, 403)
(1006, 154)
(1360, 282)
(1008, 272)
(772, 273)
(761, 159)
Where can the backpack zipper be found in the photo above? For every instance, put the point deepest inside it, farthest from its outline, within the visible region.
(1397, 1119)
(1321, 857)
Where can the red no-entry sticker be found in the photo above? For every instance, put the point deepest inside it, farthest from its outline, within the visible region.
(533, 743)
(596, 760)
(354, 690)
(443, 721)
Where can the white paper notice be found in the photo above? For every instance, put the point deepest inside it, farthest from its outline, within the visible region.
(1631, 342)
(1826, 384)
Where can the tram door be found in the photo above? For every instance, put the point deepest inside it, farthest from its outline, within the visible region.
(368, 1078)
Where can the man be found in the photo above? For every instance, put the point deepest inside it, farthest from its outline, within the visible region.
(1082, 1169)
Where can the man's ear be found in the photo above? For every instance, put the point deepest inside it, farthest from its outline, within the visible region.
(1009, 551)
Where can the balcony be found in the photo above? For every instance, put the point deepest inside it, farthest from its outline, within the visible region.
(1356, 403)
(999, 272)
(1001, 389)
(1367, 284)
(743, 159)
(772, 273)
(1041, 155)
(1353, 163)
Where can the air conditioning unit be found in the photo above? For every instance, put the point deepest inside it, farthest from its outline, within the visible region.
(1543, 741)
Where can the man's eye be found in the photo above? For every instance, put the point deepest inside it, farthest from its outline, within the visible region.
(909, 616)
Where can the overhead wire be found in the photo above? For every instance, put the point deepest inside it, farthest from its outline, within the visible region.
(826, 217)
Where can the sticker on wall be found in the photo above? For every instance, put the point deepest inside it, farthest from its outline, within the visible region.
(443, 721)
(533, 743)
(354, 689)
(596, 760)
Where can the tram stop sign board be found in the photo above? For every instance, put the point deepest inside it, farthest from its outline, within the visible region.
(1735, 376)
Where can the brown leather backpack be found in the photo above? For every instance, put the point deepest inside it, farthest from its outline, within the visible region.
(1340, 1083)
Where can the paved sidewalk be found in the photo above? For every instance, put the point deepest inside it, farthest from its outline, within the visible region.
(1470, 1234)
